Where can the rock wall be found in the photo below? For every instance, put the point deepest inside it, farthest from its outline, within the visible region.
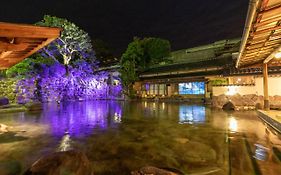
(245, 102)
(64, 88)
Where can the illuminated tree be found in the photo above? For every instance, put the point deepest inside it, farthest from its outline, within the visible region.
(73, 43)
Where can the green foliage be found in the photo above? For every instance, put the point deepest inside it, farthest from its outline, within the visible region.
(103, 53)
(219, 82)
(130, 61)
(21, 69)
(74, 43)
(156, 50)
(139, 55)
(28, 66)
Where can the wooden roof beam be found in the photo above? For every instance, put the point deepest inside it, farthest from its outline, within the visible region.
(268, 21)
(4, 46)
(48, 41)
(268, 9)
(28, 31)
(265, 30)
(251, 14)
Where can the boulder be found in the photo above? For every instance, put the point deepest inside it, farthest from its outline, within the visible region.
(150, 170)
(236, 100)
(228, 106)
(4, 101)
(68, 162)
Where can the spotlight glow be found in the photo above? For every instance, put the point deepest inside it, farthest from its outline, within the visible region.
(278, 55)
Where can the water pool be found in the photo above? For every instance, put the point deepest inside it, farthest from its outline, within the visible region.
(119, 137)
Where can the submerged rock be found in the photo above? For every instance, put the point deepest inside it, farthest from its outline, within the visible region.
(68, 162)
(150, 170)
(196, 152)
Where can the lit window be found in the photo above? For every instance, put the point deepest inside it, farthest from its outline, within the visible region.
(192, 88)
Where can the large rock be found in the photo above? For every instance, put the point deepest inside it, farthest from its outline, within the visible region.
(68, 162)
(4, 101)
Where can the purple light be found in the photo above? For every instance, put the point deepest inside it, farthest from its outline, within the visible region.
(80, 118)
(81, 84)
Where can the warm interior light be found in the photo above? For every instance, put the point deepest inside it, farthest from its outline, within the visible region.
(278, 55)
(231, 90)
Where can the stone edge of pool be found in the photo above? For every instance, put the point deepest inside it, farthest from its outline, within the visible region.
(272, 118)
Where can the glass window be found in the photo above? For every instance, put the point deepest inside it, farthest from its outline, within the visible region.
(192, 88)
(162, 89)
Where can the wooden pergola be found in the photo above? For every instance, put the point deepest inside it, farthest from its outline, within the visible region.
(18, 41)
(261, 39)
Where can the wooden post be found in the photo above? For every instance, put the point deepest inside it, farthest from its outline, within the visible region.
(265, 87)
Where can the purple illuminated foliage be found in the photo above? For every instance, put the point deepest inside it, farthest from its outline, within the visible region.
(80, 84)
(70, 75)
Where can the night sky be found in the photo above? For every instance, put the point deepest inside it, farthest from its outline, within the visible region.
(185, 23)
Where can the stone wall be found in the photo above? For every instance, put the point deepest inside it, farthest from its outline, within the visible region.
(245, 102)
(58, 89)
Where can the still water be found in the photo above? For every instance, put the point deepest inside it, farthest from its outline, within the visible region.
(119, 137)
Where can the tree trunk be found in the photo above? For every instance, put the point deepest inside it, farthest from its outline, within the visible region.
(66, 70)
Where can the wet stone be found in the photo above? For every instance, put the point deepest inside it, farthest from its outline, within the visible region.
(68, 162)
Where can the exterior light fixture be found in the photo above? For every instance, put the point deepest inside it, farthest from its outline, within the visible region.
(278, 55)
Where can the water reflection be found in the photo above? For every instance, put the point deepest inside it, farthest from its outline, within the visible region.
(233, 125)
(261, 152)
(79, 119)
(191, 114)
(65, 143)
(117, 118)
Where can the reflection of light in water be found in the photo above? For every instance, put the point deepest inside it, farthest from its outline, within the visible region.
(163, 106)
(233, 126)
(154, 106)
(65, 143)
(145, 104)
(191, 114)
(261, 152)
(117, 117)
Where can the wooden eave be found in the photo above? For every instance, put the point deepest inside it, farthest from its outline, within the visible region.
(264, 36)
(18, 41)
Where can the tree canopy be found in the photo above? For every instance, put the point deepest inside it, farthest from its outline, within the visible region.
(104, 53)
(73, 48)
(139, 55)
(74, 43)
